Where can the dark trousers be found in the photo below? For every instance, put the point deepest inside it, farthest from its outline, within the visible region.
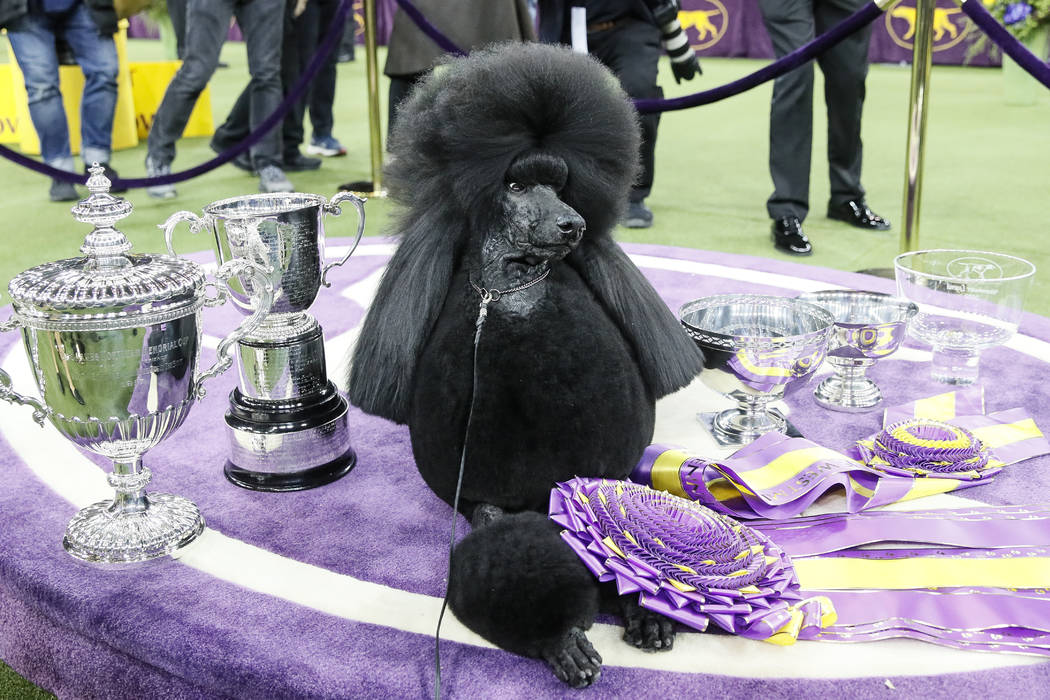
(792, 23)
(177, 14)
(632, 50)
(400, 86)
(322, 92)
(207, 22)
(302, 35)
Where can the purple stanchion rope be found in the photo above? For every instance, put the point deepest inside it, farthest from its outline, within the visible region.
(858, 20)
(429, 29)
(822, 43)
(334, 34)
(1007, 42)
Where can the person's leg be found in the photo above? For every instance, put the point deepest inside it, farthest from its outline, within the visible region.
(400, 86)
(33, 42)
(207, 22)
(263, 38)
(235, 127)
(177, 14)
(632, 51)
(790, 25)
(322, 92)
(296, 50)
(97, 56)
(845, 68)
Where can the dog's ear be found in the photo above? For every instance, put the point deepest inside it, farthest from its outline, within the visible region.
(668, 357)
(406, 305)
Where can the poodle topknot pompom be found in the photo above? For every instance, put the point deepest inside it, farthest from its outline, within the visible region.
(461, 129)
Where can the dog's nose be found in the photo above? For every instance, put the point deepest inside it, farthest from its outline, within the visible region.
(572, 227)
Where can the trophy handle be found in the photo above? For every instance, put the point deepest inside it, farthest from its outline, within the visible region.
(197, 224)
(333, 208)
(10, 395)
(262, 309)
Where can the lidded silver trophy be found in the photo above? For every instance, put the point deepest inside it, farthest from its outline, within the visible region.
(287, 423)
(114, 341)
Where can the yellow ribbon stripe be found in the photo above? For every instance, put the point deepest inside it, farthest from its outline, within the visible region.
(844, 573)
(666, 472)
(930, 487)
(1007, 433)
(786, 466)
(940, 407)
(862, 490)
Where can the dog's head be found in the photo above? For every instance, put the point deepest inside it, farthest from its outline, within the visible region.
(516, 149)
(536, 227)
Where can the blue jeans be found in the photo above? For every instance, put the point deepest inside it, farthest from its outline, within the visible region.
(32, 38)
(207, 21)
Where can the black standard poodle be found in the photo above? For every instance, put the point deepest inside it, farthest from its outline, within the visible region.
(511, 167)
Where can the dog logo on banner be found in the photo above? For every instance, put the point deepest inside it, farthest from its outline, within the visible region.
(704, 21)
(948, 27)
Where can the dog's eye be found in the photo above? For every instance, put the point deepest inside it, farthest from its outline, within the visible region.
(516, 187)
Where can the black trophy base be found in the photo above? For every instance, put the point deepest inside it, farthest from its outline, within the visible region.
(288, 445)
(291, 481)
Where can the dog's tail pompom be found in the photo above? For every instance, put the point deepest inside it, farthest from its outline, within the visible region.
(462, 128)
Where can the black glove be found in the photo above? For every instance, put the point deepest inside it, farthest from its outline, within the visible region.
(685, 67)
(684, 63)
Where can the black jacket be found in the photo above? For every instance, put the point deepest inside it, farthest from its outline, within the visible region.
(101, 11)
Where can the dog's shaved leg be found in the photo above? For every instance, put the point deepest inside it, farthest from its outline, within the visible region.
(485, 514)
(645, 629)
(574, 660)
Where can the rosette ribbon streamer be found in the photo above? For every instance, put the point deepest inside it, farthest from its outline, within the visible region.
(686, 561)
(927, 449)
(973, 578)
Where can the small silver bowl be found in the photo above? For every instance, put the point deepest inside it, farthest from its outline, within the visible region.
(757, 348)
(868, 326)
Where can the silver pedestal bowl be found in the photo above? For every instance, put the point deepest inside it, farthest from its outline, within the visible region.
(756, 348)
(868, 327)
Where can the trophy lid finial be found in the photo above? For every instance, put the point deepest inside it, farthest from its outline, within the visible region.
(102, 210)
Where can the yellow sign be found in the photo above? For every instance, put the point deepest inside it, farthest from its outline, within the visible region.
(149, 81)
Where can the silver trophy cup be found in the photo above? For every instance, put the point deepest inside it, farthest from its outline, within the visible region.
(757, 349)
(114, 341)
(287, 423)
(868, 327)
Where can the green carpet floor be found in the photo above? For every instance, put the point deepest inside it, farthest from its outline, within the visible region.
(987, 178)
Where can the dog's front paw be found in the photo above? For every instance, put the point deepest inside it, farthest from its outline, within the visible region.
(645, 629)
(574, 660)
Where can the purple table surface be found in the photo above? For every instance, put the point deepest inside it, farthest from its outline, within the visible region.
(333, 592)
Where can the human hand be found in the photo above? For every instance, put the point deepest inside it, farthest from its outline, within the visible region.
(300, 7)
(686, 67)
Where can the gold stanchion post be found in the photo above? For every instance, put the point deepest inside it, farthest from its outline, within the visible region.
(918, 106)
(374, 187)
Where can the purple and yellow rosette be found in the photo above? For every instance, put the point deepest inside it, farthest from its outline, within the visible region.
(686, 561)
(925, 447)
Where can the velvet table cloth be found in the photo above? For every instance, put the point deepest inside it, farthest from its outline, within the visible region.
(334, 592)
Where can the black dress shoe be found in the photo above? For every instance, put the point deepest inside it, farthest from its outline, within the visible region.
(857, 213)
(788, 236)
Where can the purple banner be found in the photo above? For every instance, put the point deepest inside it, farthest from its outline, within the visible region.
(734, 28)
